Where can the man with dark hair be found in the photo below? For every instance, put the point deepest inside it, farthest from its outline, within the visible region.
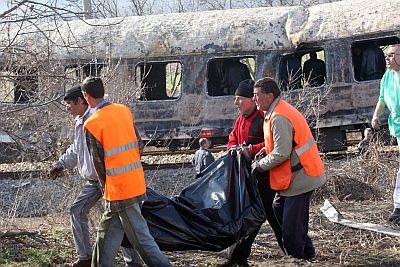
(314, 70)
(202, 158)
(248, 129)
(294, 165)
(77, 155)
(389, 99)
(114, 148)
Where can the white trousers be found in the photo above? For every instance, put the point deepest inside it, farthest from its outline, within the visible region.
(396, 194)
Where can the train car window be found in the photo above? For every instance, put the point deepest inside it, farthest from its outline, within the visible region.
(78, 72)
(158, 80)
(18, 85)
(369, 58)
(225, 74)
(304, 68)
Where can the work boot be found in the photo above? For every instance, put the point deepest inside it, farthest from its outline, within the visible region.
(395, 215)
(79, 263)
(234, 263)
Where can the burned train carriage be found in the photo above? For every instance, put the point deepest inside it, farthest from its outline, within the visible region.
(178, 72)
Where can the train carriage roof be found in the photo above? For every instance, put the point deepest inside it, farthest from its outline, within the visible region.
(207, 32)
(348, 18)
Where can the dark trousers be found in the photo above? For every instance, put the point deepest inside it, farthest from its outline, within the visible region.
(293, 214)
(241, 250)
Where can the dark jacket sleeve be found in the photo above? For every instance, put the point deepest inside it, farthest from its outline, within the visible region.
(97, 152)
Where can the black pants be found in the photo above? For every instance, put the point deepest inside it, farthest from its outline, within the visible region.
(241, 250)
(293, 214)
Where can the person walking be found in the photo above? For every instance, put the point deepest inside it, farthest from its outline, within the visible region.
(77, 155)
(113, 146)
(389, 98)
(248, 129)
(202, 158)
(294, 165)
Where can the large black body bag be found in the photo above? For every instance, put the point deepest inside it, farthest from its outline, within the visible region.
(214, 212)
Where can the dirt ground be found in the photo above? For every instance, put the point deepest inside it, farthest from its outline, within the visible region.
(359, 188)
(336, 245)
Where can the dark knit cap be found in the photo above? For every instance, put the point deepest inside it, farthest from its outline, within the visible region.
(245, 88)
(74, 92)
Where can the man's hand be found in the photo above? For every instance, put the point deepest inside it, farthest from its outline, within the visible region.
(55, 171)
(255, 167)
(375, 123)
(233, 151)
(247, 152)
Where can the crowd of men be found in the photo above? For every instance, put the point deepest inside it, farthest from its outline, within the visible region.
(273, 135)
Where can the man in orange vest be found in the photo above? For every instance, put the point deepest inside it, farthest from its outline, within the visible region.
(294, 165)
(114, 148)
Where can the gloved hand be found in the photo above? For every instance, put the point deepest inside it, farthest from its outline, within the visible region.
(233, 151)
(55, 171)
(247, 152)
(255, 167)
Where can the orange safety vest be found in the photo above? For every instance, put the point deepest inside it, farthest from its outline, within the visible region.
(113, 127)
(305, 147)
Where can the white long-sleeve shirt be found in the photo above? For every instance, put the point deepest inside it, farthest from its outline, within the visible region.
(77, 155)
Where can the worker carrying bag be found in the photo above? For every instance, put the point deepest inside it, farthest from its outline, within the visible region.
(211, 214)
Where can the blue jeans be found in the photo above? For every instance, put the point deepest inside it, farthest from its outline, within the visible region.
(111, 231)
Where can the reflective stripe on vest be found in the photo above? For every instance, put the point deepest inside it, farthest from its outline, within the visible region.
(126, 168)
(305, 147)
(120, 149)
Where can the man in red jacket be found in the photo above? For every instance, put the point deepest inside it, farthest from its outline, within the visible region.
(248, 129)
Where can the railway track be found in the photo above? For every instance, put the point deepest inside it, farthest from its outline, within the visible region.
(26, 174)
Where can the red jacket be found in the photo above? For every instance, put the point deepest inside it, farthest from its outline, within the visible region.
(249, 130)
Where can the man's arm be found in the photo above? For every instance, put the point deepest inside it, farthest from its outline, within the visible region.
(69, 159)
(379, 109)
(233, 139)
(140, 141)
(97, 152)
(282, 132)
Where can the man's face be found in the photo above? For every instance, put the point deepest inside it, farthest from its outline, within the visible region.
(245, 105)
(89, 99)
(263, 101)
(393, 58)
(76, 108)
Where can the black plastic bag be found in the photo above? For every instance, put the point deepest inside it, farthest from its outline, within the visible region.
(214, 212)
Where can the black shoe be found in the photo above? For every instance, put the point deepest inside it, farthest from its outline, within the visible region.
(395, 215)
(309, 255)
(234, 263)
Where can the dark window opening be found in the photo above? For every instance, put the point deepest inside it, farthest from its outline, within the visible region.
(76, 73)
(19, 85)
(369, 58)
(304, 68)
(225, 74)
(158, 80)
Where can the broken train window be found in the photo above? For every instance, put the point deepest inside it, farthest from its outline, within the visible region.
(158, 80)
(77, 72)
(369, 58)
(18, 85)
(225, 74)
(303, 68)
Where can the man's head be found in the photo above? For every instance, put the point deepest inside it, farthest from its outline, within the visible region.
(244, 97)
(93, 90)
(368, 133)
(204, 142)
(393, 57)
(265, 92)
(75, 102)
